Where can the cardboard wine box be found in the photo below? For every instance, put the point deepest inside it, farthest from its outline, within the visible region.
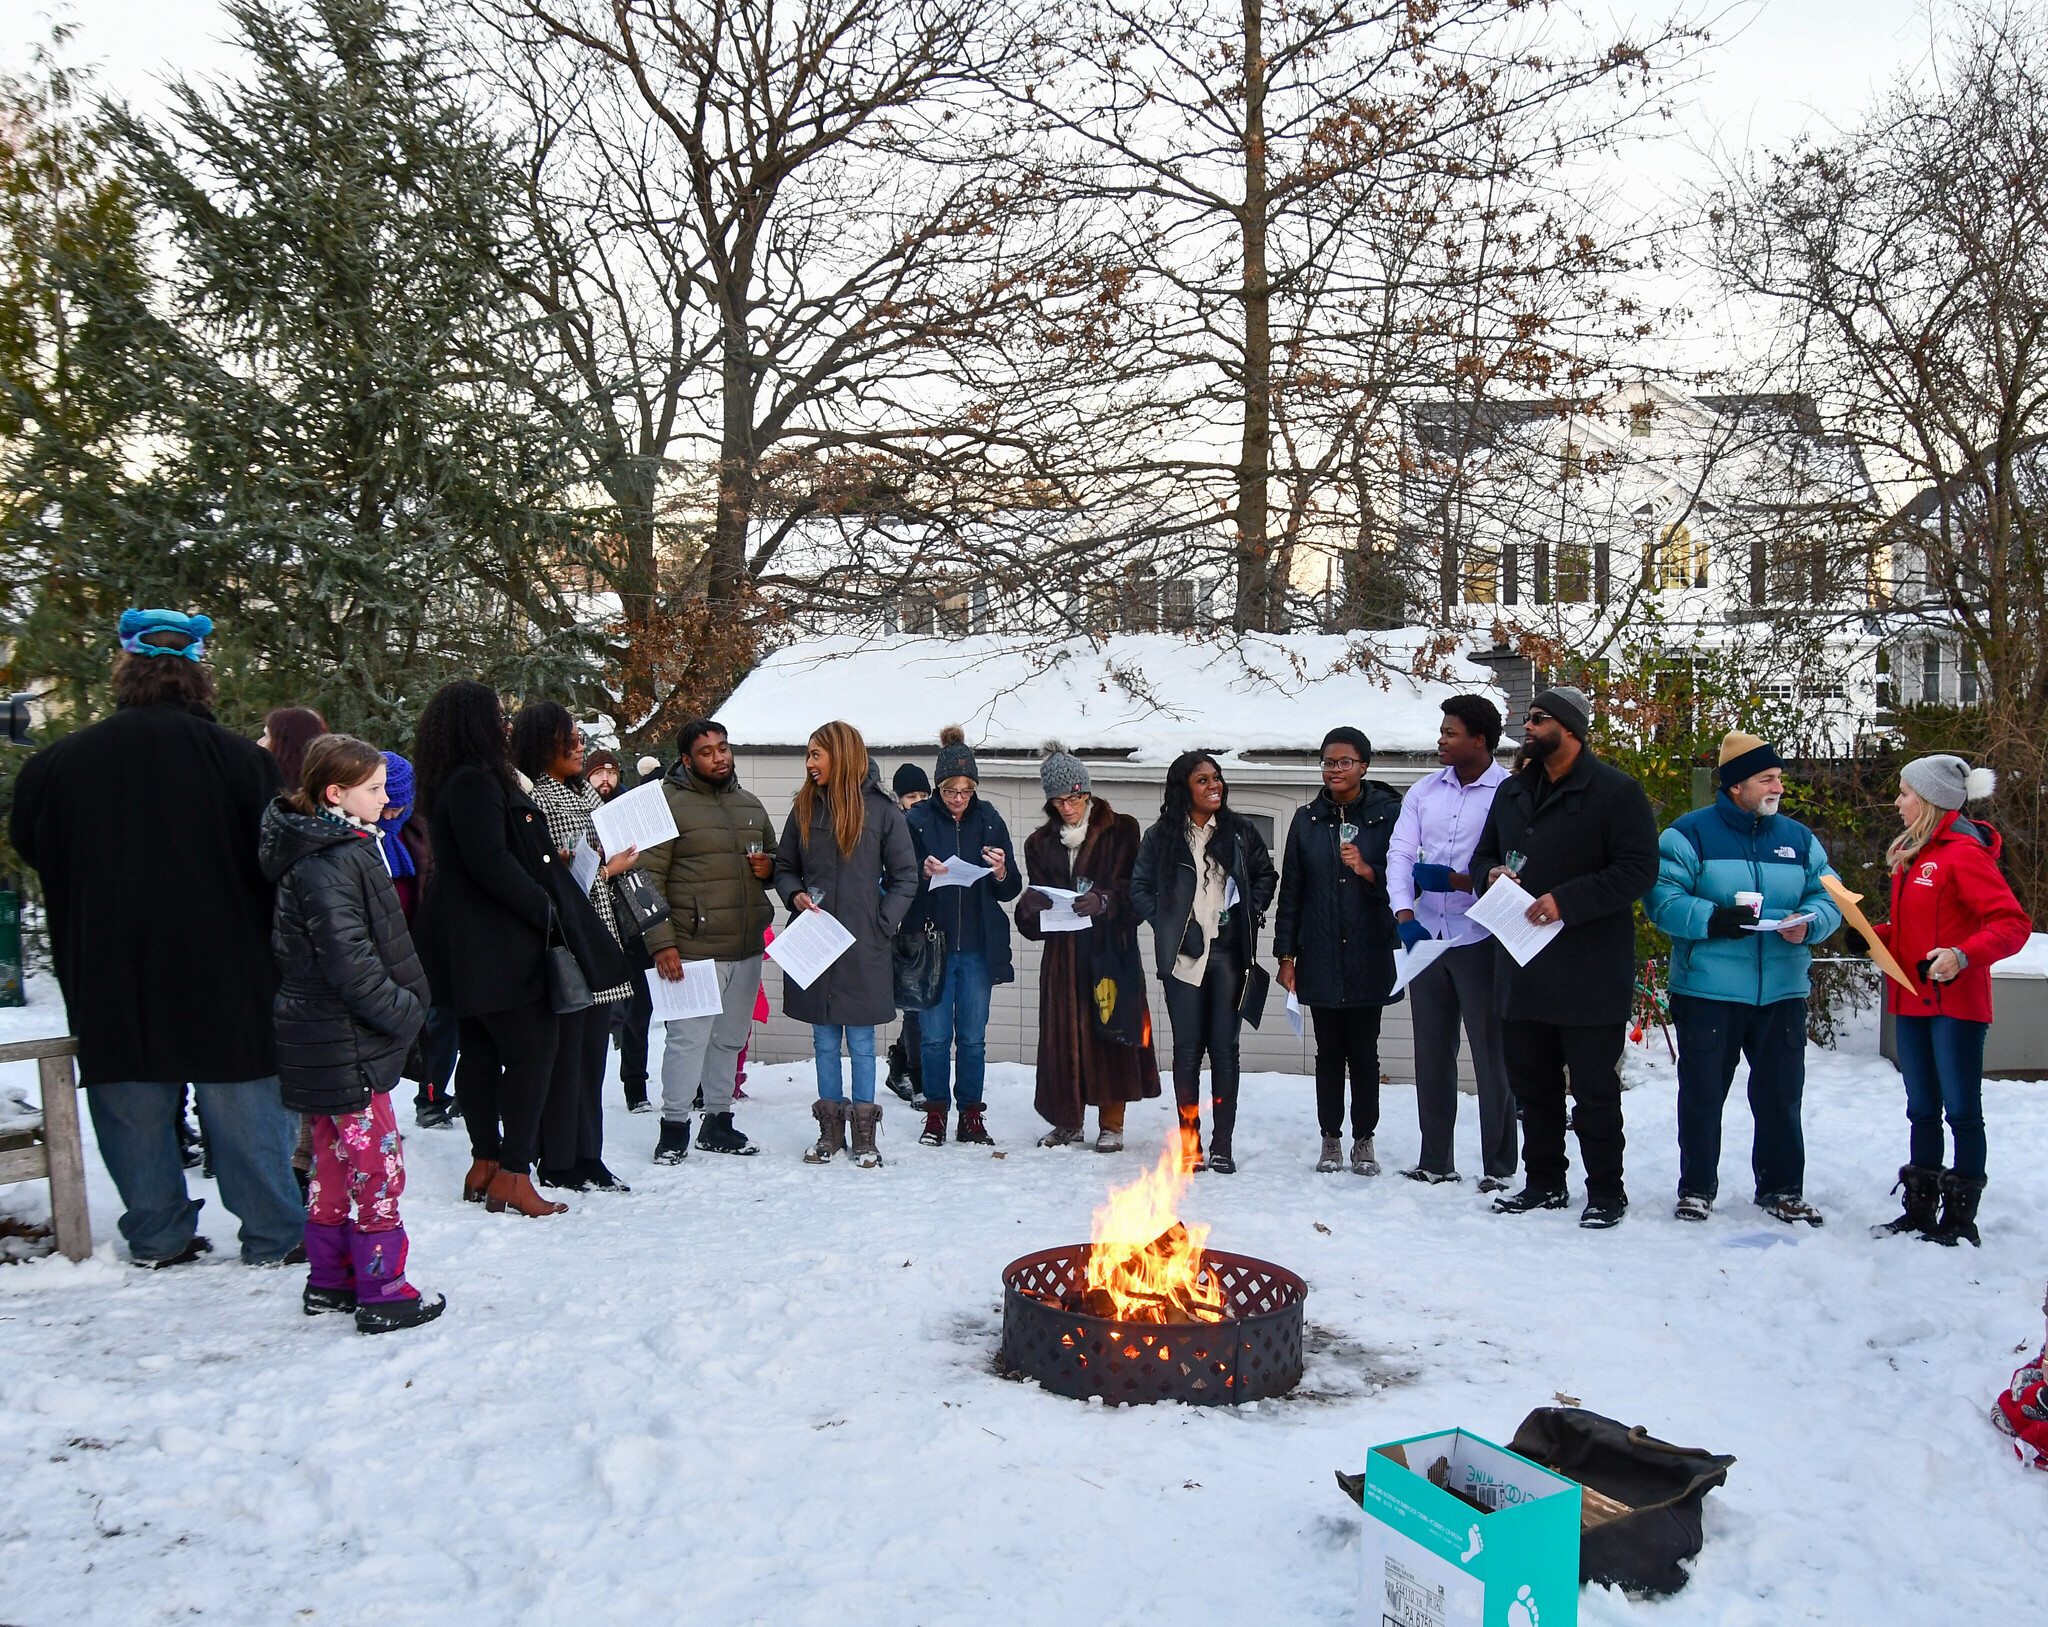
(1434, 1559)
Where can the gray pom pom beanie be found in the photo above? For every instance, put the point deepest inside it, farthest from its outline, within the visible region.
(1947, 782)
(1062, 774)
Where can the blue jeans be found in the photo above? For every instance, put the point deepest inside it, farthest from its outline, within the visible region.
(825, 1047)
(251, 1138)
(1942, 1059)
(958, 1025)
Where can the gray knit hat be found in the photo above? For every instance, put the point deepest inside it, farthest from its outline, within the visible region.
(956, 757)
(1947, 782)
(1062, 774)
(1569, 706)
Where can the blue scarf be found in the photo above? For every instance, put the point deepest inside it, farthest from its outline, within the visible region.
(397, 794)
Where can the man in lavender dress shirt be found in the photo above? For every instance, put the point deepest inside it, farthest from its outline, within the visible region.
(1430, 887)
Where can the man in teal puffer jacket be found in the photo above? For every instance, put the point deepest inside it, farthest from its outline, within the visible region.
(1736, 992)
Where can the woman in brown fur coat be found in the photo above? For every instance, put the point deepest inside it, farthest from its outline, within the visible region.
(1083, 837)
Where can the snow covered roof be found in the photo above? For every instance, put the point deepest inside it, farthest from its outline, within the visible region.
(1151, 695)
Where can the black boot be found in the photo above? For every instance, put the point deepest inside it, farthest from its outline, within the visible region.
(318, 1300)
(899, 1069)
(1960, 1195)
(392, 1315)
(674, 1145)
(718, 1135)
(1923, 1195)
(1532, 1197)
(571, 1179)
(636, 1097)
(597, 1178)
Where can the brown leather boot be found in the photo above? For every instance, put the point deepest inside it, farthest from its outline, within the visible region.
(831, 1117)
(516, 1192)
(477, 1180)
(867, 1117)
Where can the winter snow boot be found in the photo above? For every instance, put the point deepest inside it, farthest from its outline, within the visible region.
(1061, 1135)
(1692, 1207)
(1108, 1140)
(673, 1146)
(1363, 1159)
(718, 1135)
(636, 1097)
(1219, 1153)
(1332, 1158)
(1960, 1195)
(331, 1272)
(1923, 1197)
(516, 1193)
(1791, 1209)
(972, 1129)
(478, 1180)
(899, 1072)
(867, 1118)
(185, 1256)
(1531, 1197)
(1604, 1215)
(831, 1117)
(597, 1178)
(934, 1132)
(564, 1180)
(385, 1301)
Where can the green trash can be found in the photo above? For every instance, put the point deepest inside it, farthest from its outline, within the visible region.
(11, 991)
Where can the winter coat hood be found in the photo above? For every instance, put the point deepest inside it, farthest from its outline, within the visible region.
(288, 836)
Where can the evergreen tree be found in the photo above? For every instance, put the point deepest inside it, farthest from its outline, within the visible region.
(351, 479)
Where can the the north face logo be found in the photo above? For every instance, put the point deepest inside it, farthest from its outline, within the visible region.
(1787, 853)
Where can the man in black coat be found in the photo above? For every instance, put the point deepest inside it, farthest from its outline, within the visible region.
(1584, 845)
(144, 828)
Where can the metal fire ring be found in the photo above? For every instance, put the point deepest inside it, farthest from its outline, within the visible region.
(1252, 1354)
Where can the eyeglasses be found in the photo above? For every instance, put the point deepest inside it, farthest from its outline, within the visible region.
(1339, 764)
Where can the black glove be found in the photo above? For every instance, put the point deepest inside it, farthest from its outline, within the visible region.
(1728, 920)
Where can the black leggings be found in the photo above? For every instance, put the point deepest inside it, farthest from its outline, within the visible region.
(502, 1081)
(572, 1124)
(1204, 1018)
(1347, 1037)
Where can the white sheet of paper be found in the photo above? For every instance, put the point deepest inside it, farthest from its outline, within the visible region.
(639, 819)
(585, 865)
(695, 996)
(960, 872)
(1230, 892)
(1294, 1013)
(1411, 963)
(809, 944)
(1503, 910)
(1060, 917)
(1788, 920)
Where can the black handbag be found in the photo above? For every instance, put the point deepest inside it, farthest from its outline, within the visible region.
(568, 989)
(1116, 982)
(644, 905)
(1651, 1493)
(917, 958)
(1251, 998)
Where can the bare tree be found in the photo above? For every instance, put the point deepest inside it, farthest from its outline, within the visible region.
(1331, 208)
(1906, 266)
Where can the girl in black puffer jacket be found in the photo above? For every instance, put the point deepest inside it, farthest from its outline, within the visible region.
(351, 1000)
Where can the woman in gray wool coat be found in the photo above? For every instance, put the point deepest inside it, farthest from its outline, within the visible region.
(846, 850)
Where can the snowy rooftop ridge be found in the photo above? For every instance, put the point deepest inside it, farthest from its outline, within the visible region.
(1150, 694)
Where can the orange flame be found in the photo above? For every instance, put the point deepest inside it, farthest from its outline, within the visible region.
(1148, 1263)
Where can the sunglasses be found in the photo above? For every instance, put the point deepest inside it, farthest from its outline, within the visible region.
(1538, 717)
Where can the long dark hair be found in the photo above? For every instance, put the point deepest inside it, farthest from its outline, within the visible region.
(540, 731)
(162, 680)
(1178, 805)
(463, 726)
(292, 729)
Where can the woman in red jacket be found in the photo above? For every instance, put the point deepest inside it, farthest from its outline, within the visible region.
(1952, 916)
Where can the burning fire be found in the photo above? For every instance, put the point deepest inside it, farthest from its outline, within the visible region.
(1145, 1266)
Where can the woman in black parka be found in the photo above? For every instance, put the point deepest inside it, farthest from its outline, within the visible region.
(350, 999)
(483, 928)
(1203, 879)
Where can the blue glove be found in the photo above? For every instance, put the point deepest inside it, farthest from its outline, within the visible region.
(1412, 933)
(1432, 878)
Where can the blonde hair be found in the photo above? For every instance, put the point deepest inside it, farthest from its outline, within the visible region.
(1915, 836)
(843, 790)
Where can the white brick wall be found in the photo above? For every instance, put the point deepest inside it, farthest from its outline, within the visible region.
(1011, 785)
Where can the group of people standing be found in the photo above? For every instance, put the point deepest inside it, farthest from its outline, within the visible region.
(366, 917)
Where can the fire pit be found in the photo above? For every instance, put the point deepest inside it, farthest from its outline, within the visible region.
(1252, 1352)
(1146, 1313)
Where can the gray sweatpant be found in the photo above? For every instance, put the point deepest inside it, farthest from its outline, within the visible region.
(706, 1050)
(1461, 984)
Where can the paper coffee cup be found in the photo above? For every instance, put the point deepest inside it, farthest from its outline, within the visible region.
(1753, 902)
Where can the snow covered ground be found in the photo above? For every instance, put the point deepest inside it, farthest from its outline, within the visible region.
(753, 1391)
